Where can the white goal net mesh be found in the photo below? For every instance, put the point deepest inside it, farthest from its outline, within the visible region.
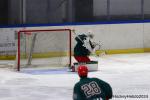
(44, 48)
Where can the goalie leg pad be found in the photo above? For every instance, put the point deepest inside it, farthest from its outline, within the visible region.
(92, 65)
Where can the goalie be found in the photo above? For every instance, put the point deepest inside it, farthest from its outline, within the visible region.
(83, 48)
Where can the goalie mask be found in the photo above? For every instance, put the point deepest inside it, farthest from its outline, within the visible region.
(90, 34)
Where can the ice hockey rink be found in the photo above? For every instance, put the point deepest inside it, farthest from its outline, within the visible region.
(128, 74)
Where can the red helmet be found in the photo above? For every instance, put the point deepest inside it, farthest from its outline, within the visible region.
(82, 71)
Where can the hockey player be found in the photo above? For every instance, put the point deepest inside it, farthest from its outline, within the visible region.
(83, 48)
(90, 88)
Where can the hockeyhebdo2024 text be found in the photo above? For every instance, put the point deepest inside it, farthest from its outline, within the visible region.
(130, 96)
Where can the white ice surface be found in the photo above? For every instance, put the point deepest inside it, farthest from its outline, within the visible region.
(128, 74)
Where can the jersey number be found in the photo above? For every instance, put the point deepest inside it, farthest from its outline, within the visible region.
(91, 89)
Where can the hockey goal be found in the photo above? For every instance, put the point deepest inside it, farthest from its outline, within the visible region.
(49, 48)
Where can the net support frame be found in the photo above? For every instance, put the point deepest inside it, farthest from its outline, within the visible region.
(42, 30)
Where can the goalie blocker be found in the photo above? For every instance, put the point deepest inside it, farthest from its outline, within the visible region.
(92, 66)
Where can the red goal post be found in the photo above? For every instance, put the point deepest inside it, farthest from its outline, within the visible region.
(29, 40)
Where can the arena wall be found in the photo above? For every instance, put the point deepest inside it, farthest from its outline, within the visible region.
(115, 38)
